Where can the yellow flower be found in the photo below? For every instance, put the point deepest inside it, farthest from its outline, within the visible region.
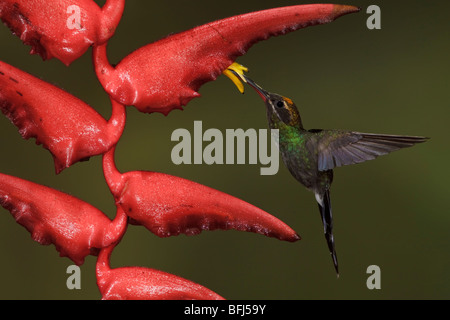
(235, 72)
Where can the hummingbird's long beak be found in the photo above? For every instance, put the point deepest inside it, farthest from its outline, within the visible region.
(262, 93)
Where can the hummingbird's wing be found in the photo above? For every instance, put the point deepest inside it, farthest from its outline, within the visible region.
(339, 148)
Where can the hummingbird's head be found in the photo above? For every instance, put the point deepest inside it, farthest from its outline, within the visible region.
(284, 108)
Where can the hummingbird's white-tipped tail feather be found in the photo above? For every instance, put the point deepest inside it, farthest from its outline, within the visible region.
(324, 203)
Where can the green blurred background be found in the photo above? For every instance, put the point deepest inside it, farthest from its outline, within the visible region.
(392, 212)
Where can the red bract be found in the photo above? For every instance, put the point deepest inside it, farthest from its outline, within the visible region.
(69, 128)
(138, 283)
(63, 29)
(167, 74)
(168, 205)
(76, 228)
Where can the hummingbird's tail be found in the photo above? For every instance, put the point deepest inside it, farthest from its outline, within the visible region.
(324, 202)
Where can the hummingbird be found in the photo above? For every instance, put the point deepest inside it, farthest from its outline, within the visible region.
(311, 155)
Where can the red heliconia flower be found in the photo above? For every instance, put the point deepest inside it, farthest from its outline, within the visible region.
(167, 74)
(76, 228)
(69, 128)
(168, 205)
(63, 29)
(139, 283)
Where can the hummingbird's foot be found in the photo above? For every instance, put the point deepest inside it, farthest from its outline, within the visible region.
(236, 74)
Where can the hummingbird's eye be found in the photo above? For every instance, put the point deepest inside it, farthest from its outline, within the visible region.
(280, 104)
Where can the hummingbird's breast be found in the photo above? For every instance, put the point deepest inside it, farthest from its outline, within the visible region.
(297, 157)
(300, 156)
